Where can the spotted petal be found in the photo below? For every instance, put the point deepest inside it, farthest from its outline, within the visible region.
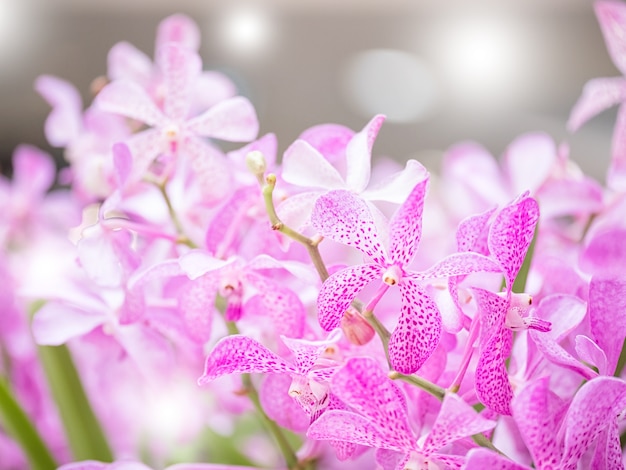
(418, 331)
(492, 380)
(481, 458)
(405, 227)
(598, 94)
(179, 29)
(233, 120)
(180, 67)
(346, 218)
(129, 99)
(340, 289)
(237, 354)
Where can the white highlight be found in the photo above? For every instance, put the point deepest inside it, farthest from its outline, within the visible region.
(247, 30)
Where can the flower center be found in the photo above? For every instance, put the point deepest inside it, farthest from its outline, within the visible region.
(393, 275)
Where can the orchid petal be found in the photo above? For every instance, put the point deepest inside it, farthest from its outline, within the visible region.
(196, 305)
(122, 162)
(397, 187)
(529, 160)
(481, 458)
(196, 263)
(595, 406)
(179, 29)
(346, 218)
(180, 69)
(308, 352)
(616, 174)
(455, 421)
(125, 61)
(279, 406)
(331, 141)
(612, 18)
(607, 304)
(554, 353)
(565, 312)
(210, 168)
(492, 380)
(233, 120)
(295, 211)
(591, 353)
(405, 227)
(608, 453)
(470, 232)
(511, 233)
(536, 410)
(457, 264)
(598, 94)
(210, 88)
(144, 146)
(566, 197)
(129, 99)
(340, 289)
(359, 154)
(34, 171)
(364, 385)
(237, 354)
(418, 331)
(492, 310)
(64, 123)
(391, 459)
(305, 166)
(56, 323)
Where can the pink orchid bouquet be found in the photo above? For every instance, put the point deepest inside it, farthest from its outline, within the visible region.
(165, 301)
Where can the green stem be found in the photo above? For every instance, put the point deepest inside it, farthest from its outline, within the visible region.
(621, 362)
(84, 433)
(381, 331)
(182, 237)
(16, 422)
(434, 390)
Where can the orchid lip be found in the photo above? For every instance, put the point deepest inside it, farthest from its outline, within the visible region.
(393, 275)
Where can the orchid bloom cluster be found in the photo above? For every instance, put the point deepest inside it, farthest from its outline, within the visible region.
(166, 301)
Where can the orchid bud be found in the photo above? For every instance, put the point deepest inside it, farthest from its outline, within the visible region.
(356, 328)
(255, 161)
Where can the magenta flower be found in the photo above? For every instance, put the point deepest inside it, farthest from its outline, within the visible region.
(345, 218)
(378, 417)
(602, 93)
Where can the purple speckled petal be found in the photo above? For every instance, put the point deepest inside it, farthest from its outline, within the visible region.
(196, 306)
(405, 227)
(595, 406)
(511, 234)
(237, 354)
(279, 406)
(481, 459)
(457, 264)
(536, 410)
(590, 352)
(129, 99)
(340, 289)
(277, 304)
(307, 352)
(391, 459)
(359, 154)
(492, 310)
(554, 353)
(180, 67)
(234, 120)
(605, 253)
(364, 385)
(492, 379)
(346, 218)
(608, 453)
(455, 421)
(418, 331)
(607, 304)
(471, 230)
(612, 18)
(337, 425)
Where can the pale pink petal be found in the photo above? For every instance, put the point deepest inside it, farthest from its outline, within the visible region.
(122, 162)
(616, 174)
(233, 120)
(340, 289)
(563, 197)
(492, 379)
(211, 170)
(331, 141)
(554, 353)
(34, 171)
(536, 411)
(305, 166)
(280, 406)
(89, 465)
(345, 218)
(595, 406)
(179, 29)
(481, 459)
(359, 154)
(63, 124)
(302, 271)
(528, 161)
(144, 146)
(391, 459)
(365, 387)
(196, 263)
(607, 304)
(55, 323)
(295, 211)
(457, 264)
(612, 18)
(565, 312)
(511, 234)
(598, 94)
(405, 227)
(347, 426)
(266, 144)
(180, 67)
(238, 354)
(125, 61)
(152, 353)
(397, 187)
(276, 304)
(418, 331)
(196, 305)
(210, 88)
(590, 352)
(129, 99)
(455, 421)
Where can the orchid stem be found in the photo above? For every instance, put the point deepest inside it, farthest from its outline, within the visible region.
(16, 422)
(182, 237)
(427, 386)
(310, 244)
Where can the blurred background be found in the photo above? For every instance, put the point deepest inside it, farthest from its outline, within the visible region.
(443, 71)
